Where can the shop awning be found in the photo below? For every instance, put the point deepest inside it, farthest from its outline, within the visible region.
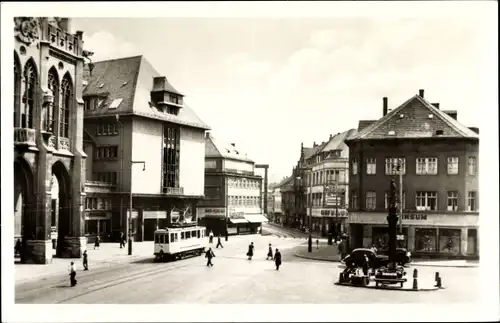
(256, 218)
(238, 221)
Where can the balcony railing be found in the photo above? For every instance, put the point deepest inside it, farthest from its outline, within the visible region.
(63, 40)
(173, 190)
(24, 137)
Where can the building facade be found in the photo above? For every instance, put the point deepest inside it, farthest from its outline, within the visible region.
(48, 128)
(142, 140)
(437, 158)
(233, 196)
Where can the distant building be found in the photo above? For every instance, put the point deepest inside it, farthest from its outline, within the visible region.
(140, 136)
(233, 196)
(438, 157)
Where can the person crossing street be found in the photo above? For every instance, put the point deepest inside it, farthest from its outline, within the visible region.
(277, 259)
(85, 260)
(219, 242)
(209, 255)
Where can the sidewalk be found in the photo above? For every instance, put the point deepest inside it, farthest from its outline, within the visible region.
(446, 263)
(324, 253)
(108, 253)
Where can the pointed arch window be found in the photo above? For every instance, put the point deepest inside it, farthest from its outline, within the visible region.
(28, 108)
(66, 99)
(17, 91)
(53, 83)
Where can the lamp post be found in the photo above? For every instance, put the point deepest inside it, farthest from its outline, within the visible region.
(130, 210)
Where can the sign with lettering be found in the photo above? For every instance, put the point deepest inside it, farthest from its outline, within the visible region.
(211, 212)
(422, 217)
(340, 213)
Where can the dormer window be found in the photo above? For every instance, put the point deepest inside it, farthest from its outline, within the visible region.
(92, 102)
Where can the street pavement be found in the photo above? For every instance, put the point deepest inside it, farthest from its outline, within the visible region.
(236, 280)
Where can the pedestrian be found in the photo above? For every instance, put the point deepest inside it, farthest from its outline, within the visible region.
(211, 237)
(219, 242)
(209, 255)
(72, 274)
(250, 251)
(85, 260)
(97, 242)
(277, 259)
(366, 265)
(122, 240)
(270, 253)
(17, 247)
(317, 243)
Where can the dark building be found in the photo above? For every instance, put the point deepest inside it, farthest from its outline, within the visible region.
(232, 190)
(438, 158)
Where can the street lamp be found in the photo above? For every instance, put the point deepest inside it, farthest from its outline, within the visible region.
(130, 210)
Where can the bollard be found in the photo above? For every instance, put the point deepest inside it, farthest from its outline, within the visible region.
(415, 276)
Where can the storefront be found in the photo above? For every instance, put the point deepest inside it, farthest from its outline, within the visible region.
(325, 220)
(239, 220)
(97, 224)
(424, 234)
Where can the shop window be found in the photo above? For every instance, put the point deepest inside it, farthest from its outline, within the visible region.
(472, 241)
(449, 240)
(425, 240)
(91, 226)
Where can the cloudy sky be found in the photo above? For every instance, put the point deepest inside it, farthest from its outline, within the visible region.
(269, 84)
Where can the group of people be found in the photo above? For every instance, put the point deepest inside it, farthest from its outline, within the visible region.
(209, 254)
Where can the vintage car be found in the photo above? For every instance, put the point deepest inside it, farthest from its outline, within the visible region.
(357, 258)
(403, 256)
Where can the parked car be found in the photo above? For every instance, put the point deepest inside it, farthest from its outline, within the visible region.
(403, 256)
(357, 258)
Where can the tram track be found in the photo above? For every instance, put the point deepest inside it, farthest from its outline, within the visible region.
(89, 284)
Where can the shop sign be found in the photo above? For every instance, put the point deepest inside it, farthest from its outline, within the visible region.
(211, 212)
(422, 217)
(333, 213)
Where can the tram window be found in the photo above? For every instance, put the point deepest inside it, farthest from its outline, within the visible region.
(176, 237)
(162, 239)
(198, 233)
(182, 235)
(157, 238)
(166, 238)
(188, 234)
(172, 239)
(193, 234)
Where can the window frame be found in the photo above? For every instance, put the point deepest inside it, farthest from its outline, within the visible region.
(427, 161)
(372, 198)
(454, 162)
(371, 166)
(426, 196)
(450, 198)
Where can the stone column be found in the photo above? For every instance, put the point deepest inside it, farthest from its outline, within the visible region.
(463, 241)
(411, 238)
(77, 241)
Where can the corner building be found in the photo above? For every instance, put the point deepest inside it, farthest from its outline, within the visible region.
(142, 139)
(48, 128)
(233, 192)
(439, 162)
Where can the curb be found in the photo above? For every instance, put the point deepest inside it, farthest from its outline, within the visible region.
(392, 289)
(315, 258)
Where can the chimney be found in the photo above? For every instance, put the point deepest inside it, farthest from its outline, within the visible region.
(451, 113)
(421, 93)
(233, 144)
(331, 136)
(436, 105)
(384, 111)
(475, 129)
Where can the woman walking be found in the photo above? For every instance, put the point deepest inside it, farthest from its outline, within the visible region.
(270, 253)
(250, 251)
(277, 259)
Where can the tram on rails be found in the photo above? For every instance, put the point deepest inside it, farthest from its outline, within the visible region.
(178, 241)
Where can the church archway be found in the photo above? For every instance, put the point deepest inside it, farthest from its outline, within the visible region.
(63, 204)
(24, 206)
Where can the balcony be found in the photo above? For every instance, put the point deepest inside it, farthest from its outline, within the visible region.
(63, 40)
(24, 137)
(173, 190)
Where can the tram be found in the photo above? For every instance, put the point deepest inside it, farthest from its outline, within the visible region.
(178, 241)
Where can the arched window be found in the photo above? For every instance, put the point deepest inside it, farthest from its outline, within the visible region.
(66, 99)
(53, 83)
(17, 91)
(30, 81)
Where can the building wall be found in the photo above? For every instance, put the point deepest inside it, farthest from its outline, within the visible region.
(442, 182)
(192, 161)
(147, 139)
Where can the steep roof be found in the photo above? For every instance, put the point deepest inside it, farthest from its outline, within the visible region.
(411, 120)
(337, 141)
(308, 152)
(131, 79)
(217, 148)
(284, 182)
(364, 123)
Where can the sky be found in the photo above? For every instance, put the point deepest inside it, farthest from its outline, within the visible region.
(268, 84)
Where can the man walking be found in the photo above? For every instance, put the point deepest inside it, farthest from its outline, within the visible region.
(277, 259)
(72, 274)
(211, 237)
(219, 243)
(209, 255)
(122, 239)
(85, 261)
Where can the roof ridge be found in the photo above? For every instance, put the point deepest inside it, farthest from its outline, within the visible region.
(134, 82)
(118, 59)
(212, 138)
